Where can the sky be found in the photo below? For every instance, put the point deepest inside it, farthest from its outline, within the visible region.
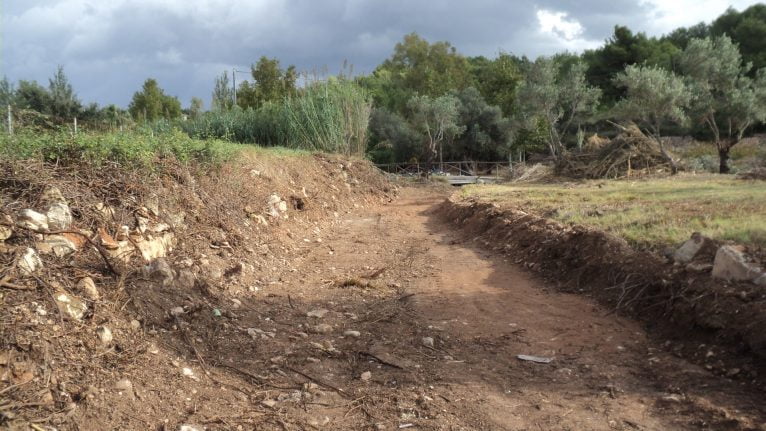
(109, 47)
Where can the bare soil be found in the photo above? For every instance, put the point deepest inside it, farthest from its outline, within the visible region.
(400, 275)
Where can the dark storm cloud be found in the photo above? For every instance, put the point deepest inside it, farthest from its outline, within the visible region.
(109, 47)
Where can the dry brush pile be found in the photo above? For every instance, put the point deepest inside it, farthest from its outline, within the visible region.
(629, 152)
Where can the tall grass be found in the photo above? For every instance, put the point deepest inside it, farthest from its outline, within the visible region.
(329, 116)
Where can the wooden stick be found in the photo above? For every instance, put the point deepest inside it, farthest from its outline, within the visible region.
(316, 380)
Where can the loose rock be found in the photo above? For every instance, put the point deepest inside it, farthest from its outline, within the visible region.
(60, 245)
(159, 270)
(32, 219)
(320, 313)
(731, 264)
(322, 328)
(355, 334)
(5, 232)
(88, 287)
(105, 335)
(59, 216)
(427, 341)
(366, 376)
(70, 306)
(693, 247)
(124, 385)
(30, 262)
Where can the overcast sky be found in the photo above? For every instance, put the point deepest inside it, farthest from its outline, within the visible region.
(108, 48)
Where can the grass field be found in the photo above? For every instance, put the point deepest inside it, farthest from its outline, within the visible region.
(647, 213)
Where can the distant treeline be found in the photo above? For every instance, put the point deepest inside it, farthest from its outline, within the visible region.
(428, 99)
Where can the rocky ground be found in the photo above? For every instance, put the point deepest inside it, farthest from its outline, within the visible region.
(373, 314)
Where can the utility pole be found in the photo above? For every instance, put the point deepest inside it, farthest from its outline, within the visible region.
(234, 81)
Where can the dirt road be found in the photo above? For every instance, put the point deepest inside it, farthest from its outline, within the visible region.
(392, 319)
(482, 311)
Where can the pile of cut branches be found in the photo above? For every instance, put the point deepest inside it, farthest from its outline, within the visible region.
(629, 153)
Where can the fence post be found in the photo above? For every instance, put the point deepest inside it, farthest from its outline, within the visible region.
(10, 121)
(75, 125)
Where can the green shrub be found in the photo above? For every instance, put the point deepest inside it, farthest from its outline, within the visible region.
(137, 148)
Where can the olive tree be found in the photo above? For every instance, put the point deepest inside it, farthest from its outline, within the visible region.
(724, 98)
(437, 119)
(559, 96)
(653, 98)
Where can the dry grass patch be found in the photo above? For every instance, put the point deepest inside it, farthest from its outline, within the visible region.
(649, 213)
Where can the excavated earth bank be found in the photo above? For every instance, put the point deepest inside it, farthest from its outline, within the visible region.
(689, 308)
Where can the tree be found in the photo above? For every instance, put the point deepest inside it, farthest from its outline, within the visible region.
(151, 103)
(487, 133)
(392, 138)
(724, 99)
(63, 101)
(195, 107)
(31, 95)
(621, 50)
(7, 92)
(423, 68)
(497, 80)
(271, 83)
(654, 97)
(680, 37)
(747, 29)
(223, 94)
(561, 98)
(437, 119)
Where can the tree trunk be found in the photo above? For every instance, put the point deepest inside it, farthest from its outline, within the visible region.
(723, 158)
(669, 158)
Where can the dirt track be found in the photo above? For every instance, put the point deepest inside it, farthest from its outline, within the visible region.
(482, 311)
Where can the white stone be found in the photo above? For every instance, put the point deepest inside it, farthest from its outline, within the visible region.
(355, 334)
(366, 376)
(105, 335)
(177, 311)
(59, 216)
(730, 264)
(427, 341)
(32, 219)
(30, 262)
(70, 306)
